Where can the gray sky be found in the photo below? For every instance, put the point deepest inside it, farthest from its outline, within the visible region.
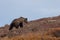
(32, 9)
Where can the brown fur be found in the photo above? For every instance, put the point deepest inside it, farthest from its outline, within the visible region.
(18, 22)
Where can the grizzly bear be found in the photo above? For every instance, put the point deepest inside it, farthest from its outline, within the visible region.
(18, 22)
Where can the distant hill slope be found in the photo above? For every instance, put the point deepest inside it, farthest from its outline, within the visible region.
(35, 26)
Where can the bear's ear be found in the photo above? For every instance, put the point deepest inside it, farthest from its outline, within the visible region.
(25, 20)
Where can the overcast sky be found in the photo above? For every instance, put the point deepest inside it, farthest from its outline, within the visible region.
(32, 9)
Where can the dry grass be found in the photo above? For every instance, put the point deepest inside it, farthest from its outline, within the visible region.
(36, 36)
(29, 36)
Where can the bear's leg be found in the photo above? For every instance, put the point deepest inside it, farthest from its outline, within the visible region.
(17, 27)
(21, 24)
(11, 27)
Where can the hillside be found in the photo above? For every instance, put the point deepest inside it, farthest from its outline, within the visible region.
(40, 29)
